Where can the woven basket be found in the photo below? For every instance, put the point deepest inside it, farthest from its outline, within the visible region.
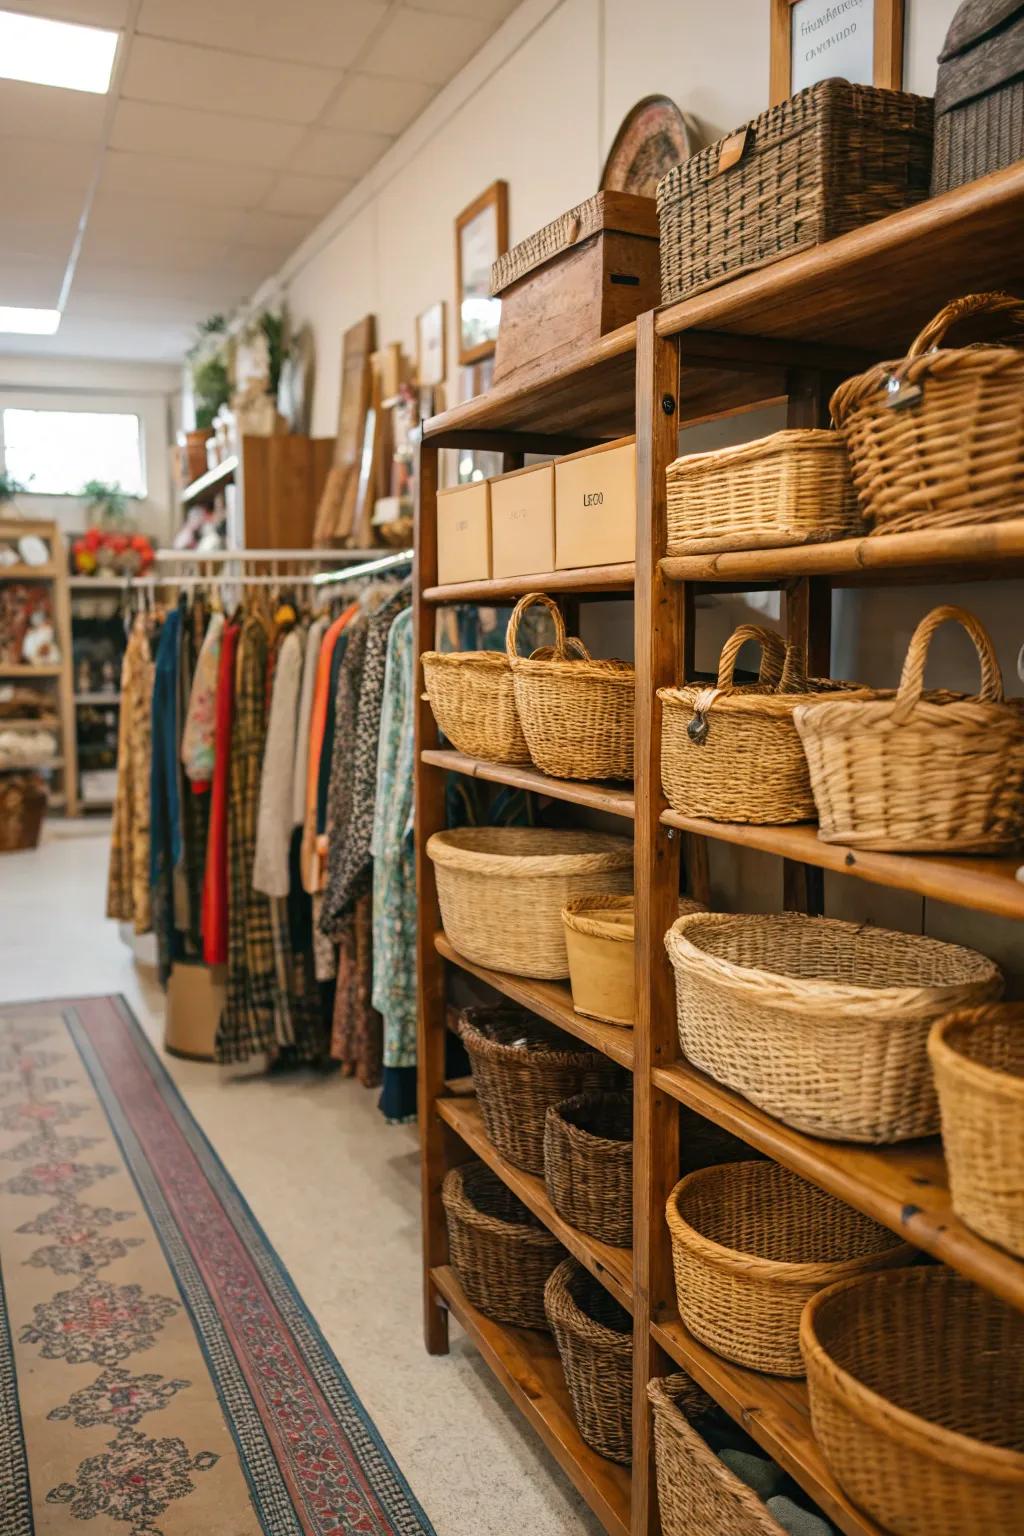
(588, 1164)
(595, 1342)
(978, 1060)
(822, 1023)
(473, 701)
(731, 752)
(697, 1493)
(917, 1401)
(22, 808)
(791, 488)
(501, 1252)
(599, 941)
(751, 1243)
(930, 773)
(502, 890)
(936, 440)
(576, 713)
(521, 1066)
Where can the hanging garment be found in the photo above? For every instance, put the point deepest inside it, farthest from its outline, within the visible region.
(343, 759)
(128, 897)
(358, 1032)
(164, 807)
(215, 882)
(198, 739)
(314, 640)
(274, 817)
(194, 808)
(318, 717)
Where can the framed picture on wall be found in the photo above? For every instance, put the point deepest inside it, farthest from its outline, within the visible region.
(481, 236)
(430, 345)
(811, 40)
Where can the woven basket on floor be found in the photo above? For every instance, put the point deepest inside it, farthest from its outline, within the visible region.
(751, 1242)
(588, 1164)
(917, 1401)
(820, 1022)
(501, 1252)
(502, 890)
(520, 1067)
(595, 1342)
(576, 713)
(923, 772)
(473, 701)
(791, 488)
(936, 440)
(23, 804)
(599, 939)
(978, 1059)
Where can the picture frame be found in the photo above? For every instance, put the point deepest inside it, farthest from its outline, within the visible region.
(481, 236)
(431, 348)
(864, 44)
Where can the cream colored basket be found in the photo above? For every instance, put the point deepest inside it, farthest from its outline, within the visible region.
(599, 940)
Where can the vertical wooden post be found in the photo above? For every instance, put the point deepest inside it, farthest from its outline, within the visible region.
(65, 686)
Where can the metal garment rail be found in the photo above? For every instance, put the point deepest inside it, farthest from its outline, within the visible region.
(367, 568)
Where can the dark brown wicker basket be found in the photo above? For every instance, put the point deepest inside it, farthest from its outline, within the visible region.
(595, 1342)
(22, 808)
(829, 159)
(979, 94)
(499, 1249)
(521, 1065)
(588, 1164)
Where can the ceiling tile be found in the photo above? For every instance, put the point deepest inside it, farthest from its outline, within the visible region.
(111, 339)
(186, 76)
(28, 236)
(111, 306)
(31, 280)
(210, 137)
(306, 31)
(331, 152)
(44, 113)
(494, 11)
(424, 45)
(89, 13)
(128, 213)
(70, 166)
(198, 288)
(138, 245)
(249, 265)
(188, 180)
(378, 103)
(277, 232)
(310, 195)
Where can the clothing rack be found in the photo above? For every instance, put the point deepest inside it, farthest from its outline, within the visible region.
(367, 568)
(312, 578)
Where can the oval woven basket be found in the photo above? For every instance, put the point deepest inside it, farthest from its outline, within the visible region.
(502, 890)
(599, 942)
(595, 1343)
(576, 713)
(793, 487)
(822, 1023)
(917, 1400)
(936, 440)
(521, 1066)
(751, 1243)
(474, 704)
(930, 773)
(501, 1252)
(977, 1056)
(588, 1164)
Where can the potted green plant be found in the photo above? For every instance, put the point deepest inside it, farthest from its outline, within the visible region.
(211, 387)
(10, 488)
(107, 503)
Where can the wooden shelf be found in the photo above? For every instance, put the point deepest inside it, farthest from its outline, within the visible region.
(775, 1413)
(28, 723)
(612, 1266)
(98, 698)
(905, 1187)
(615, 799)
(23, 572)
(550, 1000)
(214, 480)
(23, 669)
(526, 1363)
(108, 584)
(42, 765)
(588, 579)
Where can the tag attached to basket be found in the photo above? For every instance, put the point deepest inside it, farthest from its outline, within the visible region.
(732, 150)
(902, 395)
(698, 728)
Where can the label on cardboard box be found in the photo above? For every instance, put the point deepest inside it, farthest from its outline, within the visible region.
(595, 506)
(464, 533)
(523, 521)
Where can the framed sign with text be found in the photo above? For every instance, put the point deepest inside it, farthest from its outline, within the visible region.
(857, 40)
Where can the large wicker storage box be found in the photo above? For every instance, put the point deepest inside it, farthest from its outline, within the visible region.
(979, 94)
(595, 1342)
(829, 159)
(588, 1164)
(501, 1252)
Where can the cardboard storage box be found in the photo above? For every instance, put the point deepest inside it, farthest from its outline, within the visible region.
(464, 533)
(595, 506)
(523, 521)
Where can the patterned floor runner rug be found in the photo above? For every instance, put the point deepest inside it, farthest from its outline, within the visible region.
(159, 1375)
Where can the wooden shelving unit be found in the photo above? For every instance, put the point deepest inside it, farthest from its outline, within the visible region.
(206, 486)
(787, 332)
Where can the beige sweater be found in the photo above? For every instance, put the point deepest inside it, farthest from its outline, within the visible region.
(274, 819)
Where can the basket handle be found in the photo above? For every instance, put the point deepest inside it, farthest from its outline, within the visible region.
(562, 647)
(773, 655)
(956, 310)
(912, 676)
(794, 671)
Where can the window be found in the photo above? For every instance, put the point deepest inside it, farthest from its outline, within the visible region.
(54, 453)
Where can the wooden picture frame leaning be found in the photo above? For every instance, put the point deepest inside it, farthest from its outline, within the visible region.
(431, 345)
(886, 18)
(481, 236)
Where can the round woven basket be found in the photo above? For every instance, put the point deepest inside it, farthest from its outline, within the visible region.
(595, 1342)
(576, 713)
(917, 1400)
(599, 941)
(936, 440)
(502, 890)
(521, 1066)
(501, 1252)
(820, 1022)
(588, 1164)
(751, 1243)
(978, 1059)
(473, 701)
(931, 773)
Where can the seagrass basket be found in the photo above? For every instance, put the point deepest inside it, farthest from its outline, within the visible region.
(501, 1252)
(923, 772)
(23, 804)
(599, 941)
(576, 713)
(473, 701)
(588, 1164)
(978, 1059)
(917, 1400)
(594, 1335)
(520, 1067)
(502, 890)
(751, 1243)
(822, 1023)
(793, 487)
(936, 440)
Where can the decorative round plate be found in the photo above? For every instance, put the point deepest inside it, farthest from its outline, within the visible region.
(32, 550)
(653, 138)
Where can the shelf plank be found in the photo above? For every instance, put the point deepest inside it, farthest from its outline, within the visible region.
(587, 578)
(28, 722)
(775, 1413)
(615, 799)
(982, 884)
(20, 571)
(214, 480)
(612, 1266)
(526, 1363)
(905, 1187)
(106, 584)
(98, 697)
(551, 1000)
(25, 669)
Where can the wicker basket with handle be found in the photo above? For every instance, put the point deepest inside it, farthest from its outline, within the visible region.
(501, 1252)
(588, 1164)
(928, 772)
(936, 440)
(595, 1342)
(474, 704)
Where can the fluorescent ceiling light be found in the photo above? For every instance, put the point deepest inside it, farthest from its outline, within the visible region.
(45, 52)
(28, 322)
